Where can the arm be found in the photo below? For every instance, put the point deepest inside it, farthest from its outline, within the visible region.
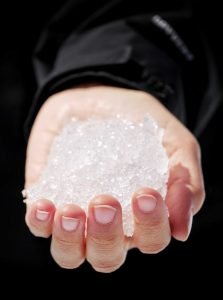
(122, 43)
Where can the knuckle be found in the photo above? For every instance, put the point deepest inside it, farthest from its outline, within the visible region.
(153, 248)
(108, 266)
(39, 233)
(200, 193)
(63, 244)
(192, 141)
(36, 230)
(146, 226)
(152, 240)
(199, 197)
(194, 145)
(66, 261)
(153, 225)
(104, 242)
(67, 264)
(64, 265)
(106, 260)
(106, 269)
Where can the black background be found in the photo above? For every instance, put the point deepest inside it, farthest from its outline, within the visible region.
(19, 28)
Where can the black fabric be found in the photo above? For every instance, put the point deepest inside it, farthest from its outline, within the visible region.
(148, 46)
(117, 43)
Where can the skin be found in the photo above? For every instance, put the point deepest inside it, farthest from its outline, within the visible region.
(104, 246)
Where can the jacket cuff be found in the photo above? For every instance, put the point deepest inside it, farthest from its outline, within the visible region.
(114, 54)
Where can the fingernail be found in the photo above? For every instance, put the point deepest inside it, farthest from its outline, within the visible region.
(104, 214)
(42, 215)
(146, 203)
(69, 224)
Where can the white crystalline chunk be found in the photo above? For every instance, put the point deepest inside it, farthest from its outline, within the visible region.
(113, 156)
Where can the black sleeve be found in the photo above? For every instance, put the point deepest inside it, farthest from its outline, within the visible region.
(132, 44)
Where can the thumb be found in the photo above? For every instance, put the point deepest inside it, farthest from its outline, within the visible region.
(37, 152)
(47, 124)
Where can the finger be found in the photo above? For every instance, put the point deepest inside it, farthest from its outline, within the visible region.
(152, 231)
(67, 246)
(185, 167)
(179, 201)
(39, 217)
(185, 187)
(105, 248)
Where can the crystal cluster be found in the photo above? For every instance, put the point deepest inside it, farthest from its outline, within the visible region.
(113, 156)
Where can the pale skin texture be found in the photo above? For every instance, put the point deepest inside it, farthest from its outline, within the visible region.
(104, 246)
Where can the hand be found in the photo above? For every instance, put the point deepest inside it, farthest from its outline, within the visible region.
(105, 246)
